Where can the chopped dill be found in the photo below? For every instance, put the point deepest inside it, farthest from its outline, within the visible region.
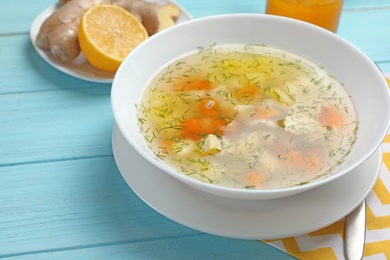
(272, 118)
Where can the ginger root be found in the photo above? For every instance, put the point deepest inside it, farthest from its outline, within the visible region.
(59, 32)
(154, 16)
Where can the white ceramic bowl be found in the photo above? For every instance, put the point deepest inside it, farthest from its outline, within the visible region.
(360, 76)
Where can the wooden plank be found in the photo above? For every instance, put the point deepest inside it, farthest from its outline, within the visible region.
(365, 30)
(202, 8)
(364, 4)
(55, 125)
(16, 16)
(194, 247)
(21, 65)
(385, 67)
(84, 208)
(71, 204)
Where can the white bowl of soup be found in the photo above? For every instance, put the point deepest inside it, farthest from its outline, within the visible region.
(251, 106)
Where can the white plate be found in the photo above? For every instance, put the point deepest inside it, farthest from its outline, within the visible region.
(80, 68)
(270, 219)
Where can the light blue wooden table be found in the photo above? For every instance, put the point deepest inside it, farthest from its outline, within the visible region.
(61, 194)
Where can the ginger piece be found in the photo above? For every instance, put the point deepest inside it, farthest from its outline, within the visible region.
(64, 43)
(59, 32)
(155, 17)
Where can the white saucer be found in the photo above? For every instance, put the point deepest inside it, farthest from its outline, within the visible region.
(279, 218)
(80, 68)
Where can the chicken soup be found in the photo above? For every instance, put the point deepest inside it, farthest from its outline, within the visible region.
(247, 116)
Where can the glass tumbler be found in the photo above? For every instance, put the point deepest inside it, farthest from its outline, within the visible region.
(324, 13)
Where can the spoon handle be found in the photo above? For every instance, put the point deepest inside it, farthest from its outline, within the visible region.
(355, 233)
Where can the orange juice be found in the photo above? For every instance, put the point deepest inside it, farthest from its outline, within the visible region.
(324, 13)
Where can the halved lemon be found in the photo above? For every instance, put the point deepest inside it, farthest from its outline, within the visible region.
(107, 34)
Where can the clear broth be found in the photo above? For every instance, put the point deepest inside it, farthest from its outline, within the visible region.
(248, 117)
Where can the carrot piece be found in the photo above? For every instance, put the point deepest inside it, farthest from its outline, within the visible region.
(215, 126)
(330, 116)
(209, 108)
(255, 179)
(194, 84)
(195, 128)
(307, 162)
(167, 144)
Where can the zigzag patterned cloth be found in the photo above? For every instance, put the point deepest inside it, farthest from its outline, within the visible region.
(327, 243)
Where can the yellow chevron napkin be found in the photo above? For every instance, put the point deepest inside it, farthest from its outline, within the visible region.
(327, 243)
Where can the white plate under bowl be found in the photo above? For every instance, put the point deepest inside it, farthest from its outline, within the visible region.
(79, 67)
(245, 219)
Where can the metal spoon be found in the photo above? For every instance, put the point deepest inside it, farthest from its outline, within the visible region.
(355, 233)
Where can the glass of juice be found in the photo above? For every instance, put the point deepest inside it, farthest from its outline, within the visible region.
(324, 13)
